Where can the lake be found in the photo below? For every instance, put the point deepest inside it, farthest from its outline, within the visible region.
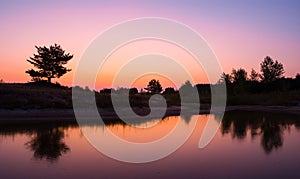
(247, 145)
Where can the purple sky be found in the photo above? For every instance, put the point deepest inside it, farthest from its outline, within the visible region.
(241, 33)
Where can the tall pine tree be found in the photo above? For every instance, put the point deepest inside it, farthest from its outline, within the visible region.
(49, 63)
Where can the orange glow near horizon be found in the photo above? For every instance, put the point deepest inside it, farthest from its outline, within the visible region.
(239, 37)
(142, 82)
(147, 134)
(138, 62)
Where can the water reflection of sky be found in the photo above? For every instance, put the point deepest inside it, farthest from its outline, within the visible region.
(247, 144)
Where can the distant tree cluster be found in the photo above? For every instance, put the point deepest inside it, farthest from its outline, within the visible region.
(270, 71)
(153, 87)
(119, 91)
(270, 78)
(169, 90)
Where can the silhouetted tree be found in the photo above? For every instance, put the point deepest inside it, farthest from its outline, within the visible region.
(169, 90)
(239, 76)
(296, 82)
(107, 91)
(188, 93)
(187, 86)
(271, 70)
(48, 144)
(254, 76)
(225, 78)
(154, 86)
(203, 88)
(271, 135)
(133, 91)
(49, 62)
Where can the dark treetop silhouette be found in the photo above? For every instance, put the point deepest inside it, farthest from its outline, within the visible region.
(49, 62)
(154, 86)
(271, 70)
(239, 76)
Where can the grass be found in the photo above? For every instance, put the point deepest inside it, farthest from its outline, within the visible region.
(39, 96)
(34, 96)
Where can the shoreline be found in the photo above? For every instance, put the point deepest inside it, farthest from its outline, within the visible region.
(67, 115)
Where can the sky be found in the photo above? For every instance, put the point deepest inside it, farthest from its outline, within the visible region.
(241, 33)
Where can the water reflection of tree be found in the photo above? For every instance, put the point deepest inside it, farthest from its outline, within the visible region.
(48, 144)
(271, 135)
(268, 126)
(187, 118)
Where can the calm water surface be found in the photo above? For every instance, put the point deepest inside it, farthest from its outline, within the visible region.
(248, 144)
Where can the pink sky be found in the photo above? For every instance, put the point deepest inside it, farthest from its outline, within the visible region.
(240, 35)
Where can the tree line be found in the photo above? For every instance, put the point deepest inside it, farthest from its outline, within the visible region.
(271, 78)
(49, 63)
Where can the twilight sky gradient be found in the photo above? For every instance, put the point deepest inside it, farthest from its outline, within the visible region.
(241, 33)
